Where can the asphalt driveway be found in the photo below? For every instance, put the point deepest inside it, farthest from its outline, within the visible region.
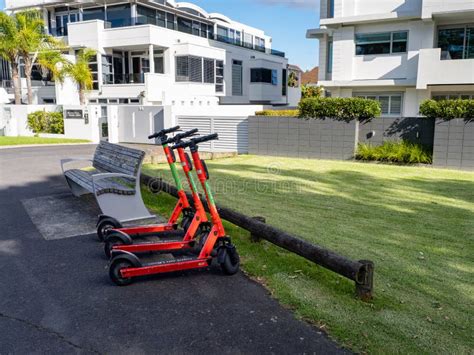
(55, 295)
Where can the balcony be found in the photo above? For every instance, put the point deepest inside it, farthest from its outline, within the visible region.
(143, 20)
(433, 70)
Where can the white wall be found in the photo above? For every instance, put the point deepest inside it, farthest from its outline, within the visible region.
(80, 128)
(16, 123)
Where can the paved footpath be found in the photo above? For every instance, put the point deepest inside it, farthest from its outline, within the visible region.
(55, 295)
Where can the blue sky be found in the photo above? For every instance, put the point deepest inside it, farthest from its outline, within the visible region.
(285, 20)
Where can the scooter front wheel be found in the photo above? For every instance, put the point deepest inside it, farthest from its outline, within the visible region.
(105, 225)
(114, 272)
(231, 263)
(110, 242)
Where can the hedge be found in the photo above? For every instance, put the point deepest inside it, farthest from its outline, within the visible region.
(46, 122)
(346, 109)
(448, 109)
(395, 152)
(285, 113)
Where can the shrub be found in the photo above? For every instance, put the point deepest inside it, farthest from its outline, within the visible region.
(308, 91)
(46, 122)
(448, 109)
(395, 152)
(339, 108)
(287, 113)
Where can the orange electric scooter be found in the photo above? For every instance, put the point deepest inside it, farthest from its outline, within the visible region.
(212, 244)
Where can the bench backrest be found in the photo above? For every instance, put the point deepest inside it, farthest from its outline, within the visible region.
(115, 158)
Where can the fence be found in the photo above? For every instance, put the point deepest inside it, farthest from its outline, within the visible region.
(452, 141)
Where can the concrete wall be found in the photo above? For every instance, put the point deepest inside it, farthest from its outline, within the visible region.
(454, 144)
(292, 137)
(415, 130)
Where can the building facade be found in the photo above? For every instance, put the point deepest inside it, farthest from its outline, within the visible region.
(162, 53)
(399, 52)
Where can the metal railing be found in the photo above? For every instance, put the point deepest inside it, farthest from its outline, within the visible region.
(144, 20)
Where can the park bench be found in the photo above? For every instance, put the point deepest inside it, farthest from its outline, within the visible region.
(113, 178)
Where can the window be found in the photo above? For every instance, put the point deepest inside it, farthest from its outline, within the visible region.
(93, 14)
(222, 34)
(263, 75)
(161, 18)
(196, 28)
(203, 30)
(195, 69)
(107, 71)
(119, 15)
(330, 8)
(236, 78)
(146, 16)
(170, 21)
(381, 43)
(260, 44)
(209, 70)
(185, 25)
(392, 103)
(454, 96)
(219, 76)
(284, 82)
(330, 57)
(456, 43)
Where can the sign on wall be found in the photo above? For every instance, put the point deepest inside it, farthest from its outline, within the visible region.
(74, 114)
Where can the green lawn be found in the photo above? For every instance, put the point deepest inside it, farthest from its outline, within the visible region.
(416, 224)
(36, 140)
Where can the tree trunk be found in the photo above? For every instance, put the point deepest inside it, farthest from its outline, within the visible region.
(82, 97)
(16, 82)
(28, 69)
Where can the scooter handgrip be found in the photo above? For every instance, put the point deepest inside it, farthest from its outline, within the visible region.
(207, 138)
(154, 135)
(177, 138)
(171, 130)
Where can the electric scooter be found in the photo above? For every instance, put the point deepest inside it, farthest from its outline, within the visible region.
(122, 238)
(107, 223)
(214, 244)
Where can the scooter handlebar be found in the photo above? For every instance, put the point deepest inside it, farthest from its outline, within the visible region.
(179, 137)
(164, 131)
(196, 141)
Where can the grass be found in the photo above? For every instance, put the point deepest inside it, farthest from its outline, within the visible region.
(4, 141)
(416, 224)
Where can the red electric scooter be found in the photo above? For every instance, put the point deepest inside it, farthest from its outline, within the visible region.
(107, 223)
(125, 265)
(123, 238)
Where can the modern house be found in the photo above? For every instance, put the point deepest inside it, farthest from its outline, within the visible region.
(399, 52)
(160, 52)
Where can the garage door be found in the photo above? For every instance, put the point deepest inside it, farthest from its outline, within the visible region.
(233, 132)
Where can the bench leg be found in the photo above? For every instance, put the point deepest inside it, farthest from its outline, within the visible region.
(123, 207)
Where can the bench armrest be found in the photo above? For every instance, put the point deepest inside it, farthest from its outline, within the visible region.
(70, 160)
(102, 176)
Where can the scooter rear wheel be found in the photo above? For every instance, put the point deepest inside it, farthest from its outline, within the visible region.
(114, 272)
(105, 225)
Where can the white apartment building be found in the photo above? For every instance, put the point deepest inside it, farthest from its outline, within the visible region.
(397, 51)
(161, 52)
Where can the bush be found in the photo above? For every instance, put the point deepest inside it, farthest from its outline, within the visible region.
(395, 152)
(46, 122)
(339, 108)
(448, 109)
(287, 113)
(308, 91)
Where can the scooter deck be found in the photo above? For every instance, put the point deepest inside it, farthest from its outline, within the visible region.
(161, 229)
(162, 245)
(185, 263)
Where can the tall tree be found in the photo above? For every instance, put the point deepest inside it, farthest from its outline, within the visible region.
(81, 73)
(32, 40)
(9, 50)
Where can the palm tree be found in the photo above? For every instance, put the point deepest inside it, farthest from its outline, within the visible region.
(80, 72)
(55, 63)
(32, 40)
(9, 51)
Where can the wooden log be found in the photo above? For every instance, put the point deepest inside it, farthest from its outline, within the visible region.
(255, 237)
(359, 271)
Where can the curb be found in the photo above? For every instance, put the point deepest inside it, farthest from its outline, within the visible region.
(42, 145)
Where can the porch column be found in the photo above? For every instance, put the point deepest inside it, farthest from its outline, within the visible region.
(151, 55)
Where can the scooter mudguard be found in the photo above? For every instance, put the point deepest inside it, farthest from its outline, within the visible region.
(125, 255)
(125, 238)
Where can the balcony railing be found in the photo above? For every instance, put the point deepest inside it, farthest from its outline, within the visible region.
(143, 20)
(7, 85)
(119, 78)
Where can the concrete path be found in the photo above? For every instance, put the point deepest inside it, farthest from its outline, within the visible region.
(55, 295)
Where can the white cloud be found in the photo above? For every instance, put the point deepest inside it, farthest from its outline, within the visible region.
(313, 4)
